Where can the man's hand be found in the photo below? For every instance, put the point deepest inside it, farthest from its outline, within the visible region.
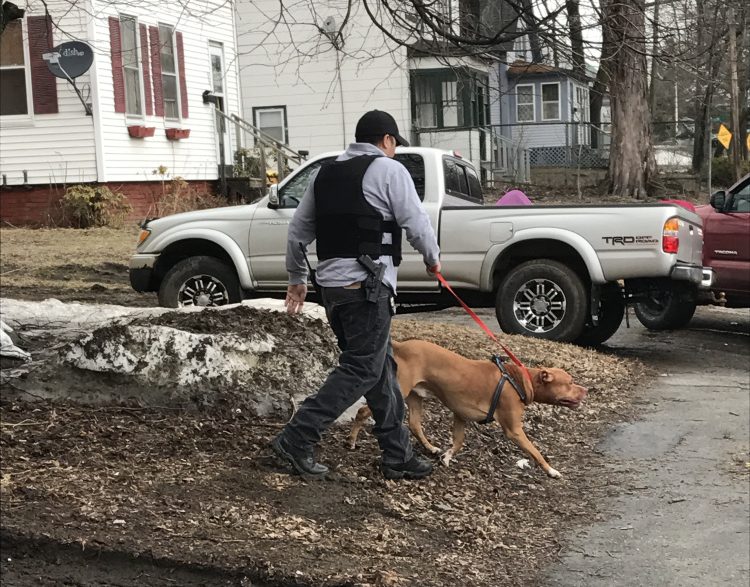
(435, 269)
(295, 298)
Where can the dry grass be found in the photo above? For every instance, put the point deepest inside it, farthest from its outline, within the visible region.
(62, 257)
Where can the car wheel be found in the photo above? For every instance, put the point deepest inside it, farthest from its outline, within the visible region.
(542, 298)
(666, 309)
(199, 281)
(611, 311)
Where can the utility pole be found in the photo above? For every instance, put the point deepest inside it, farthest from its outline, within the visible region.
(734, 94)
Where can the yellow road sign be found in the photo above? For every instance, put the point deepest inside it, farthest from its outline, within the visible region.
(747, 141)
(724, 135)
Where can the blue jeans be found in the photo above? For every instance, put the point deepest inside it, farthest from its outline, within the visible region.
(366, 368)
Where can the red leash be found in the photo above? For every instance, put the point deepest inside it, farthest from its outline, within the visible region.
(483, 326)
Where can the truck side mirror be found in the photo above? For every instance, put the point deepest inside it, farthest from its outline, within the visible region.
(273, 196)
(718, 200)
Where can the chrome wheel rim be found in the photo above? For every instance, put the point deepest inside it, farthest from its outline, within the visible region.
(202, 290)
(539, 305)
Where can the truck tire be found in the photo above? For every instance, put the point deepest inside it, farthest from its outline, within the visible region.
(611, 312)
(666, 309)
(199, 281)
(542, 298)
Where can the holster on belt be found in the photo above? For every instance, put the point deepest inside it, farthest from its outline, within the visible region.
(374, 280)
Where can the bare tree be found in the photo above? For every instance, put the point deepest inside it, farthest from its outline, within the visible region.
(631, 164)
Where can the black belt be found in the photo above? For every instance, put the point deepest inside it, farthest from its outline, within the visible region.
(499, 389)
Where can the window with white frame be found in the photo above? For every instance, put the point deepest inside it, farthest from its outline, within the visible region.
(551, 101)
(169, 72)
(13, 91)
(272, 121)
(131, 65)
(452, 105)
(525, 103)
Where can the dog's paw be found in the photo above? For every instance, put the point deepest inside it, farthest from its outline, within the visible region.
(446, 458)
(523, 464)
(434, 451)
(554, 473)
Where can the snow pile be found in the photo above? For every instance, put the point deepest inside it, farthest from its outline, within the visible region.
(240, 356)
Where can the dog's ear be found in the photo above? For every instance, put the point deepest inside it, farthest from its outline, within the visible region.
(546, 376)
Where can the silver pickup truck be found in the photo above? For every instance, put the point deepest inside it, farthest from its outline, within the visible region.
(556, 272)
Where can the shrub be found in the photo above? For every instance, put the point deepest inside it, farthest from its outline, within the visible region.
(86, 206)
(722, 174)
(178, 196)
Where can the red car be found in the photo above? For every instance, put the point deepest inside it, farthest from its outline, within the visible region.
(726, 250)
(726, 242)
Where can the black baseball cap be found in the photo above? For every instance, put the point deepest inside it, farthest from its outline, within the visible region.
(377, 123)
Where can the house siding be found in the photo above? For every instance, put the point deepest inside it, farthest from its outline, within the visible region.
(55, 148)
(297, 68)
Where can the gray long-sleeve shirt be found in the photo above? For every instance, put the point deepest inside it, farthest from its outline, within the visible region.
(388, 187)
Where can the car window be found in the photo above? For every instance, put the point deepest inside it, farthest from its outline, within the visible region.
(475, 187)
(459, 178)
(290, 194)
(741, 199)
(415, 166)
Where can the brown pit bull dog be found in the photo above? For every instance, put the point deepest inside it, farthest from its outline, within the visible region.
(468, 388)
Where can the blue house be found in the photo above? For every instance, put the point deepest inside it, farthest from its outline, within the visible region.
(547, 109)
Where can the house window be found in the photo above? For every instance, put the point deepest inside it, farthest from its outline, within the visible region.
(426, 102)
(525, 103)
(131, 65)
(272, 121)
(13, 92)
(551, 101)
(448, 98)
(169, 72)
(453, 111)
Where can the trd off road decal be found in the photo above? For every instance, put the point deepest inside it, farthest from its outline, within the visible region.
(630, 240)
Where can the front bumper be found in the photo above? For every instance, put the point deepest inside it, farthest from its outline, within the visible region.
(141, 272)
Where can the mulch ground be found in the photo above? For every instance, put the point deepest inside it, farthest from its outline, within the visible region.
(199, 491)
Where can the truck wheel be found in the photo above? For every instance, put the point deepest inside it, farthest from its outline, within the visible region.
(611, 311)
(199, 281)
(666, 309)
(542, 298)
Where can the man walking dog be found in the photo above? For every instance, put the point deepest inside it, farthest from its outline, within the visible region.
(355, 209)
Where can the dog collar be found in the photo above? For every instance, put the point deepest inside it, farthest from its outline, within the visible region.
(499, 389)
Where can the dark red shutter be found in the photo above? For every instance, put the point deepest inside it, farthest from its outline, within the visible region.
(145, 64)
(118, 77)
(43, 83)
(181, 73)
(153, 33)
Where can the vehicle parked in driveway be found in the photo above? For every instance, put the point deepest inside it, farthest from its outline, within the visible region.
(726, 254)
(553, 272)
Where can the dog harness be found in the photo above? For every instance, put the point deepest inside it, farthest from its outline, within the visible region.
(499, 389)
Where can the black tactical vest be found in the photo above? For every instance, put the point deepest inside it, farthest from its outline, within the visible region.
(346, 225)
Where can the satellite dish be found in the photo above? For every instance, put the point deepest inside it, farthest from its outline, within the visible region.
(69, 60)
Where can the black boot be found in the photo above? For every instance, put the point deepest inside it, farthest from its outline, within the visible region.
(304, 465)
(415, 468)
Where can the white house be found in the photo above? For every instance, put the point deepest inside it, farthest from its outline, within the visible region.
(152, 61)
(308, 73)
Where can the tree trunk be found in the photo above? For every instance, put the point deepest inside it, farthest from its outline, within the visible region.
(530, 23)
(632, 167)
(599, 88)
(576, 36)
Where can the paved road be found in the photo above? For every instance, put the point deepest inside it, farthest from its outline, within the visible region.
(682, 514)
